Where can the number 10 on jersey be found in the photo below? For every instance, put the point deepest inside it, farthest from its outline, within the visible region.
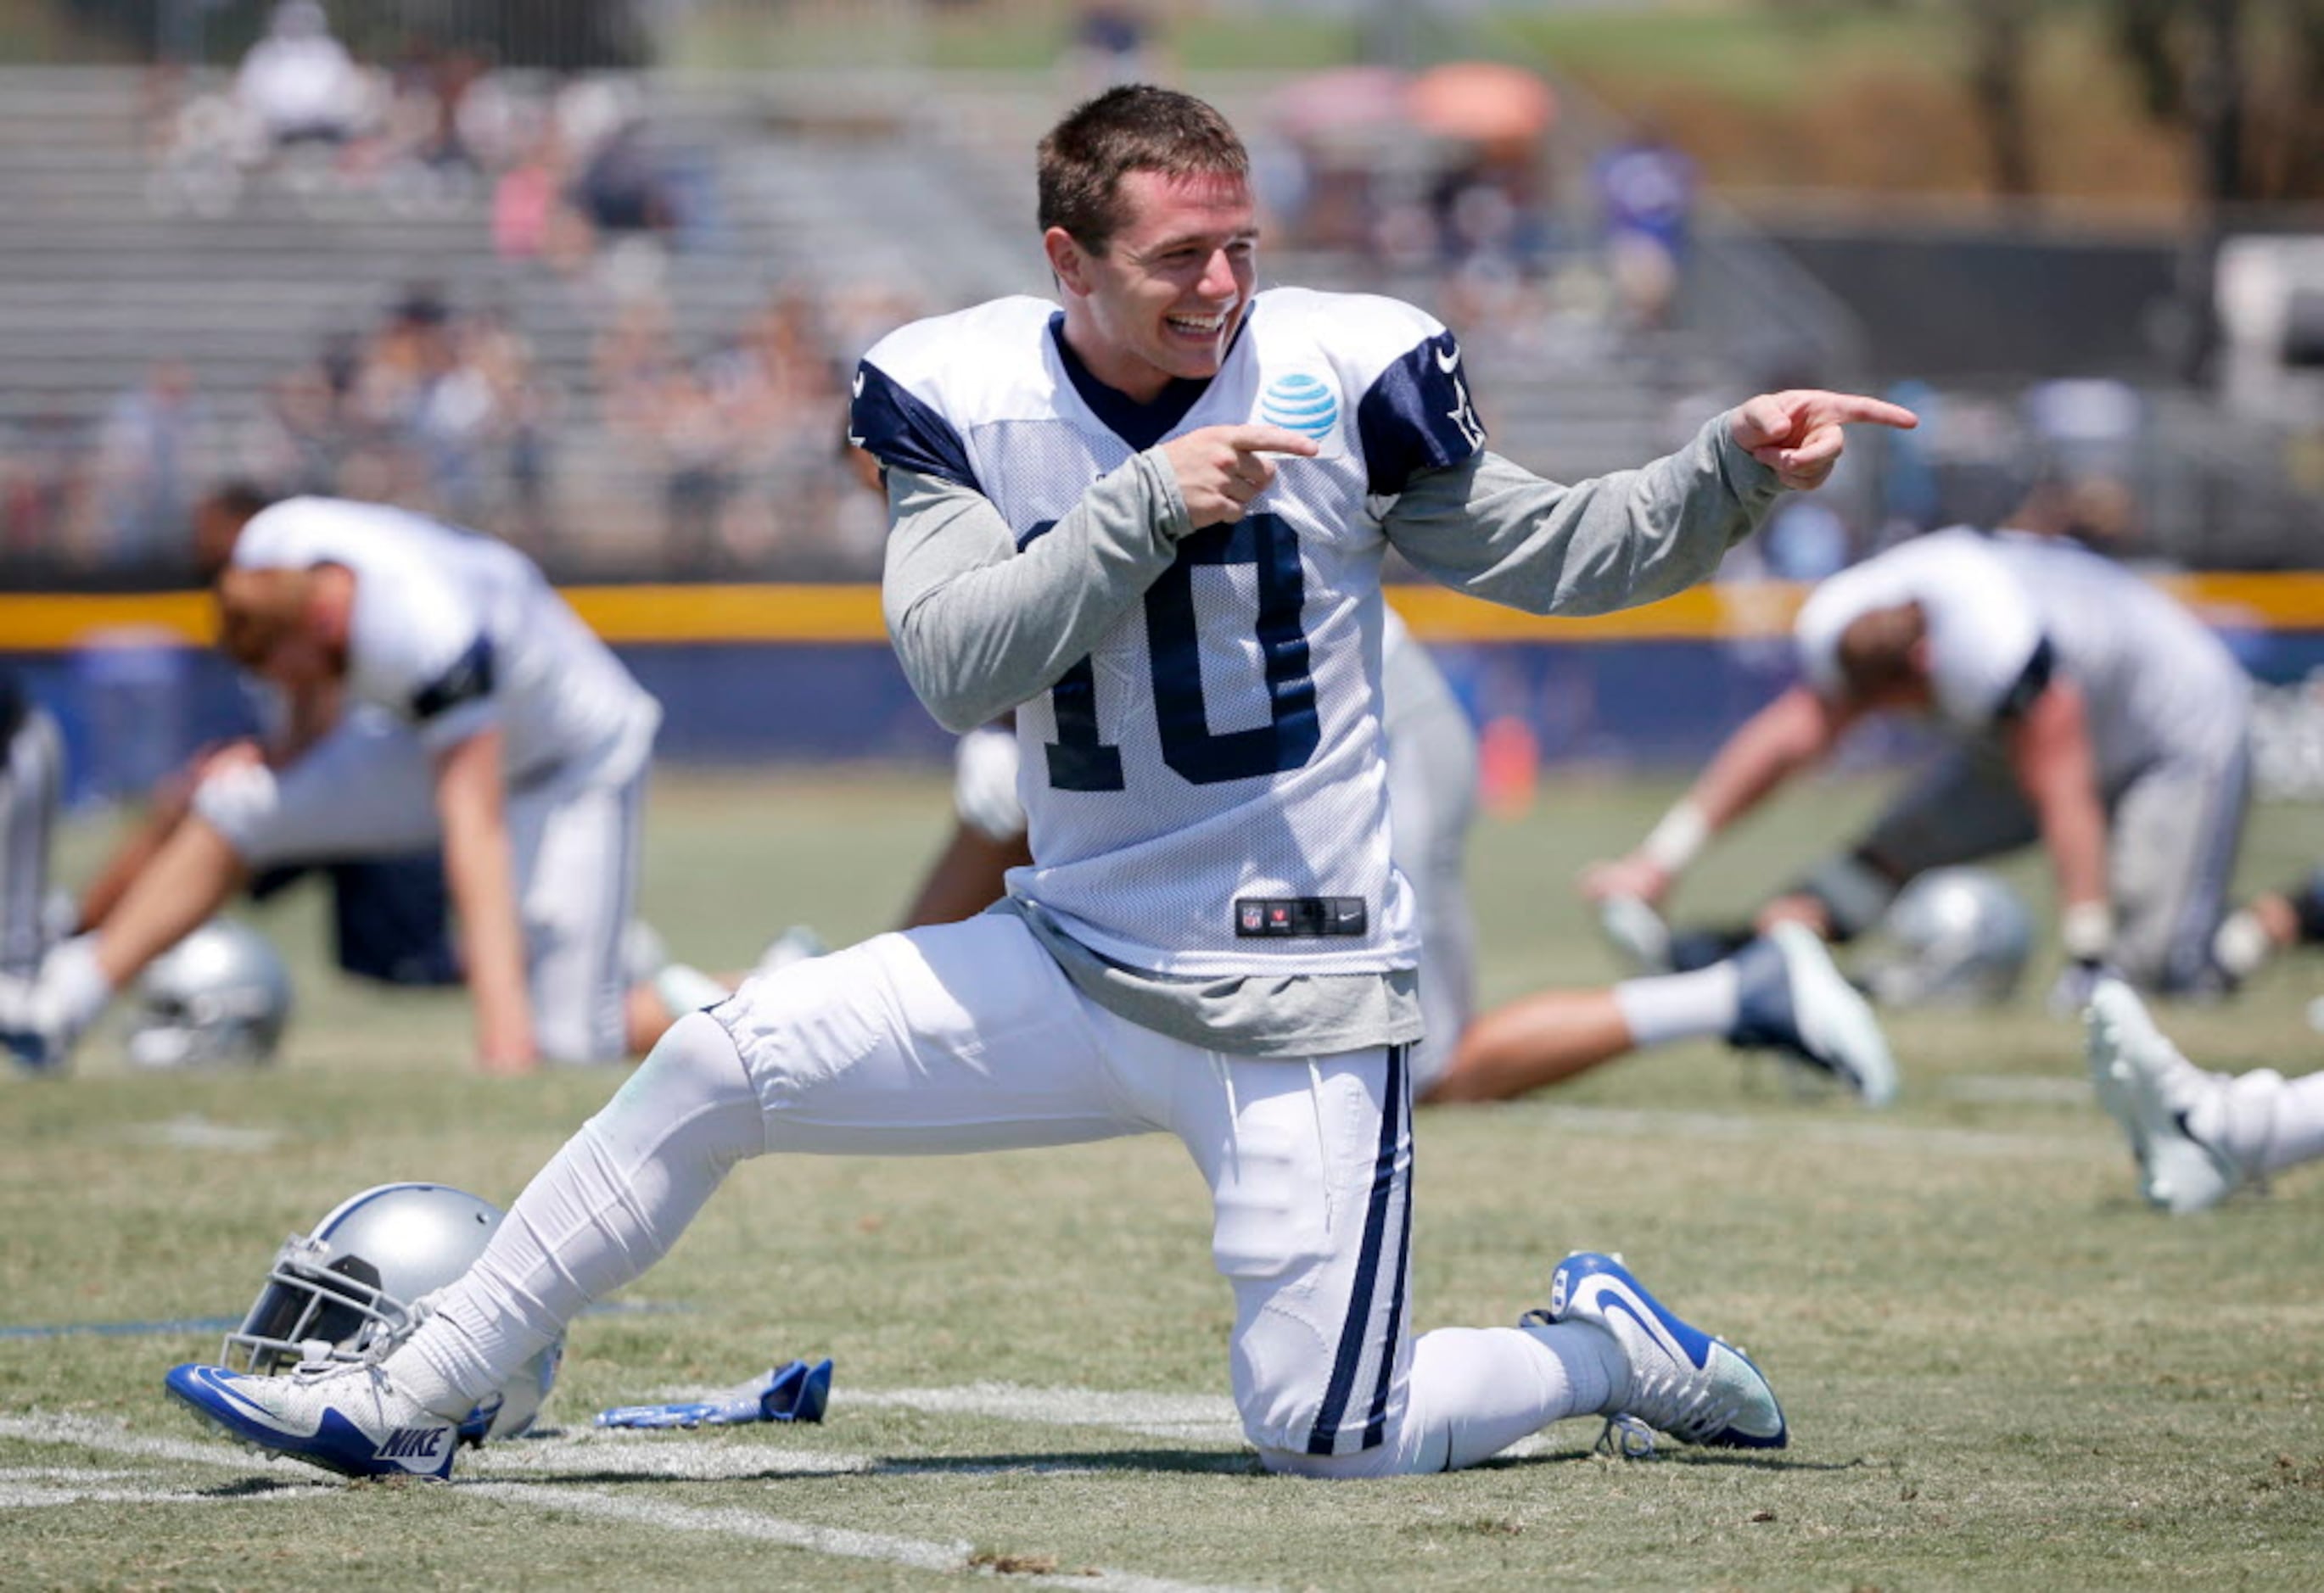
(1082, 759)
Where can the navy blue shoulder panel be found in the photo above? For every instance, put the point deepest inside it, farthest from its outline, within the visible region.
(903, 433)
(1417, 416)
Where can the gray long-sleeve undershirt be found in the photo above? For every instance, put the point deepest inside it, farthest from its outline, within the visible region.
(981, 628)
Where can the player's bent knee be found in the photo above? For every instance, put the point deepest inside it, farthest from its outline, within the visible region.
(693, 1075)
(241, 804)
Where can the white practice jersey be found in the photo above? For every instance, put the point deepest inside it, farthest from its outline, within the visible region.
(454, 632)
(1204, 792)
(2005, 610)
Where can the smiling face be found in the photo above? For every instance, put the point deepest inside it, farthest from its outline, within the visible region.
(1163, 298)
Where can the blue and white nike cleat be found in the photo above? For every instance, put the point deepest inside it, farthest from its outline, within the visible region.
(1684, 1382)
(347, 1418)
(2151, 1091)
(1791, 997)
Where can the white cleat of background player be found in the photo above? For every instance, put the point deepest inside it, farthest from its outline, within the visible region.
(2197, 1135)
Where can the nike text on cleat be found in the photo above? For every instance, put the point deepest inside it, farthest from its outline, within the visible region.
(350, 1419)
(1684, 1382)
(1791, 997)
(2147, 1088)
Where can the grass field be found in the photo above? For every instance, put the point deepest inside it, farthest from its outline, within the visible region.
(2002, 1369)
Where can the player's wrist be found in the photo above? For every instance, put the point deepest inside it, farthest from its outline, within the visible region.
(1677, 840)
(2086, 931)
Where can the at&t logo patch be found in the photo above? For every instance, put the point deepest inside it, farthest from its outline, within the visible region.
(1300, 403)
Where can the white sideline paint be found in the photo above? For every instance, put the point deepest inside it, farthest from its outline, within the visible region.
(590, 1455)
(1195, 1418)
(1794, 1129)
(115, 1438)
(194, 1131)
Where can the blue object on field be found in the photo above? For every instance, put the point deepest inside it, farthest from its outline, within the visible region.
(796, 1393)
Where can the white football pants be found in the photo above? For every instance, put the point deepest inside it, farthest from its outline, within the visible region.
(968, 1037)
(367, 789)
(31, 775)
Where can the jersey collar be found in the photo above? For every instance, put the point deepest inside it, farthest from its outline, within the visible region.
(1141, 426)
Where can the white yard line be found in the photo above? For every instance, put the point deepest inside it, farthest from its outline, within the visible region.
(1794, 1130)
(1195, 1418)
(588, 1453)
(114, 1438)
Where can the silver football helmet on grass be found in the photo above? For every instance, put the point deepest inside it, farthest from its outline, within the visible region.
(352, 1291)
(219, 995)
(1960, 937)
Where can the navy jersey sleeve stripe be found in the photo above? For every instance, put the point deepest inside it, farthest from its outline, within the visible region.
(1417, 416)
(2029, 685)
(903, 433)
(469, 677)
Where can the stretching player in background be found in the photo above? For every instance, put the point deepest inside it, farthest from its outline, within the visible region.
(2272, 921)
(471, 709)
(390, 916)
(2197, 1136)
(1779, 992)
(31, 773)
(1151, 520)
(2090, 712)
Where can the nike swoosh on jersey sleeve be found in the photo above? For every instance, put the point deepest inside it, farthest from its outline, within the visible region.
(903, 433)
(1417, 416)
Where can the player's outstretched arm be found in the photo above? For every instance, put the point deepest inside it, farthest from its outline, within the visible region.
(481, 873)
(980, 625)
(1789, 733)
(2048, 747)
(1495, 530)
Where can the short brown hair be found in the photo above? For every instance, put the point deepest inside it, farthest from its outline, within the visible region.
(1136, 128)
(257, 608)
(1876, 649)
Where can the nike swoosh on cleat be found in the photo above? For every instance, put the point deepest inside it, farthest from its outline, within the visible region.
(212, 1381)
(1655, 1330)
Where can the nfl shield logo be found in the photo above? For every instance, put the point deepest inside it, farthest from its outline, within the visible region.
(1250, 914)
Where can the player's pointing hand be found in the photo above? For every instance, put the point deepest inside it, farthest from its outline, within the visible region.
(1797, 434)
(1221, 468)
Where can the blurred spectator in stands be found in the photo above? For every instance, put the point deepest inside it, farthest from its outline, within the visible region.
(298, 82)
(1645, 196)
(1806, 540)
(1490, 206)
(531, 219)
(42, 463)
(152, 438)
(293, 445)
(1112, 43)
(696, 446)
(620, 190)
